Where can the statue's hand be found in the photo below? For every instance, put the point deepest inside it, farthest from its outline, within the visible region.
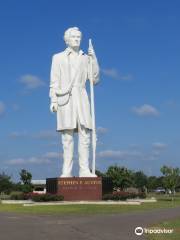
(91, 52)
(53, 107)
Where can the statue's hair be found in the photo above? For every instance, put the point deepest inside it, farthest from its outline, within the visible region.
(68, 32)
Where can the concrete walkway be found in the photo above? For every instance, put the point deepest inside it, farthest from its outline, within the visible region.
(97, 227)
(31, 203)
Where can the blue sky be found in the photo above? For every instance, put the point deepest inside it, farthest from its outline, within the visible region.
(137, 101)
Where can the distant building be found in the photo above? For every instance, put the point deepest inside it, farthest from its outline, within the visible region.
(39, 186)
(132, 190)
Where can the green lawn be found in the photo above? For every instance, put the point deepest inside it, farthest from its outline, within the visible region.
(173, 224)
(163, 196)
(89, 209)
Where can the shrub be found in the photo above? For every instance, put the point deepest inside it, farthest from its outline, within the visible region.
(36, 197)
(107, 196)
(17, 196)
(4, 197)
(46, 197)
(121, 195)
(5, 183)
(116, 196)
(26, 188)
(142, 195)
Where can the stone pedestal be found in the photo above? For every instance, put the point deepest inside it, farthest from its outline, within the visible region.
(76, 188)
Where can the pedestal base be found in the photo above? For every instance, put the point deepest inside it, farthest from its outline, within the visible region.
(76, 188)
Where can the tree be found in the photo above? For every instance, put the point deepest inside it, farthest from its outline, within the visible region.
(154, 182)
(121, 176)
(171, 177)
(5, 183)
(140, 180)
(26, 178)
(99, 173)
(178, 184)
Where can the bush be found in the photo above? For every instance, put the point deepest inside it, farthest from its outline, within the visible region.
(46, 197)
(4, 197)
(5, 183)
(17, 187)
(26, 188)
(142, 195)
(116, 196)
(17, 196)
(36, 197)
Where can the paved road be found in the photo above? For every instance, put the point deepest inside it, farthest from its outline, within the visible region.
(100, 227)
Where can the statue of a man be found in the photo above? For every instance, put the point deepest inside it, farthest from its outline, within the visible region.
(69, 71)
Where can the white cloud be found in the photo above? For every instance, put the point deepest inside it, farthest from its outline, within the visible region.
(146, 110)
(121, 155)
(31, 160)
(101, 130)
(131, 155)
(158, 148)
(38, 160)
(31, 81)
(46, 134)
(18, 134)
(2, 108)
(99, 143)
(159, 145)
(44, 159)
(172, 103)
(154, 155)
(50, 144)
(16, 161)
(52, 155)
(113, 73)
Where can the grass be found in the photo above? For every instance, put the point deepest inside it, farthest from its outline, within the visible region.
(85, 209)
(164, 196)
(171, 224)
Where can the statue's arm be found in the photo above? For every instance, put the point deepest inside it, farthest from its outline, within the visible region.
(54, 78)
(95, 69)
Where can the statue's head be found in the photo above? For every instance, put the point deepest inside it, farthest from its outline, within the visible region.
(72, 37)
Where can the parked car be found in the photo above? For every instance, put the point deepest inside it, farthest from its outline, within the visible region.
(160, 190)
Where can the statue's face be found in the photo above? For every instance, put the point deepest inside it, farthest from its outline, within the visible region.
(74, 39)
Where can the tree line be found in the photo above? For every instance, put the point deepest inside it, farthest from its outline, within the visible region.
(122, 179)
(24, 185)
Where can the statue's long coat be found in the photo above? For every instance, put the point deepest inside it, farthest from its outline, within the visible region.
(74, 106)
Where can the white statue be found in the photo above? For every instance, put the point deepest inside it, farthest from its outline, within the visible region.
(69, 71)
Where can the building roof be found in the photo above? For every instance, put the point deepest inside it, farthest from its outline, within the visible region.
(37, 182)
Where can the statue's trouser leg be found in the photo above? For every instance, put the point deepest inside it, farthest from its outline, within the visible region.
(68, 149)
(83, 150)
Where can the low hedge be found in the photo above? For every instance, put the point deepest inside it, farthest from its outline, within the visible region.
(116, 196)
(36, 197)
(18, 196)
(46, 197)
(4, 197)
